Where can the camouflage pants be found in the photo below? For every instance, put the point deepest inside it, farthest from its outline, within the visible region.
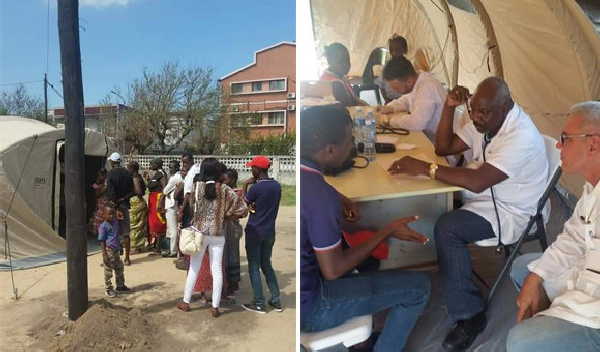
(112, 261)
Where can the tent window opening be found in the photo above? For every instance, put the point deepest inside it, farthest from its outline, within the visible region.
(464, 5)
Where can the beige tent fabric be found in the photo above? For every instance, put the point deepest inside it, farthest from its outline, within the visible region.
(364, 25)
(547, 50)
(28, 147)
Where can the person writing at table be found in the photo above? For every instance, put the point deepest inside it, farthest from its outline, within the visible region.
(398, 47)
(502, 187)
(423, 97)
(338, 60)
(328, 296)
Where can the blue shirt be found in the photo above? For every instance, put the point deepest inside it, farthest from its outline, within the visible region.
(320, 229)
(265, 194)
(109, 232)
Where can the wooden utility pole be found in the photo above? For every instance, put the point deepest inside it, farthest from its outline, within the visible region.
(68, 31)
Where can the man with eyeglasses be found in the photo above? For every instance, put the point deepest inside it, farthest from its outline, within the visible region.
(503, 183)
(566, 277)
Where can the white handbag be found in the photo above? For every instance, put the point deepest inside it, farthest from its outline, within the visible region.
(190, 239)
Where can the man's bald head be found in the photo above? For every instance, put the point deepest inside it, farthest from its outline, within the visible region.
(490, 105)
(495, 88)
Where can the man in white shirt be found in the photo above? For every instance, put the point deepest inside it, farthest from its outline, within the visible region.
(187, 159)
(508, 173)
(568, 272)
(422, 96)
(176, 180)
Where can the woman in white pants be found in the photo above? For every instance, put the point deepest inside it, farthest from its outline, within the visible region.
(212, 203)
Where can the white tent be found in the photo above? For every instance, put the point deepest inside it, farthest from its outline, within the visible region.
(29, 160)
(547, 50)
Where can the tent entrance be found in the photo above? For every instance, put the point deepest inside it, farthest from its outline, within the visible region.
(92, 165)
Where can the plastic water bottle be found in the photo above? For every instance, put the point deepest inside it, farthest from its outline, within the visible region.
(359, 127)
(370, 136)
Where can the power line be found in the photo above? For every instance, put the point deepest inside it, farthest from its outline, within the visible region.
(55, 91)
(22, 82)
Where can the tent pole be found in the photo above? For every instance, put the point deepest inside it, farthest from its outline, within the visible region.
(452, 29)
(491, 34)
(77, 285)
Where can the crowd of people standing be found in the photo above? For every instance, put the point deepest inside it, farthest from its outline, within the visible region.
(146, 212)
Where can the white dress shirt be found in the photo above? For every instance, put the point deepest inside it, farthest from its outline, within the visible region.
(574, 290)
(518, 151)
(169, 190)
(188, 186)
(424, 103)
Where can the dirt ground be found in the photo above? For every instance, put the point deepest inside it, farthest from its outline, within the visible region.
(146, 319)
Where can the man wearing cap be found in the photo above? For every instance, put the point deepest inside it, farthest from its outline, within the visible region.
(263, 200)
(119, 190)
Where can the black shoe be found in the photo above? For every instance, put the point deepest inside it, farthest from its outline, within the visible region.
(464, 333)
(123, 289)
(276, 306)
(253, 307)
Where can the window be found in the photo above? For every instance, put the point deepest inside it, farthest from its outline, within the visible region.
(278, 84)
(237, 88)
(276, 118)
(256, 86)
(255, 119)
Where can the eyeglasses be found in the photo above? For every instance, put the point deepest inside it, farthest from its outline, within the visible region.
(563, 136)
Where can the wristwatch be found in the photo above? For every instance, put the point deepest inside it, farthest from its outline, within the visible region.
(432, 170)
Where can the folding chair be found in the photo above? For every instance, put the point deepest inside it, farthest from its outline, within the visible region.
(352, 332)
(539, 233)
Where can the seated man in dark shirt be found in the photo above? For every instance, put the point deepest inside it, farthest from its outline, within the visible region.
(327, 298)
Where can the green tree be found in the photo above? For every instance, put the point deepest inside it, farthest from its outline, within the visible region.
(166, 106)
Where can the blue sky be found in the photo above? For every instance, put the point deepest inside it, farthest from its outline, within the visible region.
(119, 38)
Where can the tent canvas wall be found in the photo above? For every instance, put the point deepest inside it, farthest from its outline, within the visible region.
(547, 50)
(30, 148)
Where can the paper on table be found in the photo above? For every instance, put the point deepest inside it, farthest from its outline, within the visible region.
(405, 146)
(386, 139)
(387, 163)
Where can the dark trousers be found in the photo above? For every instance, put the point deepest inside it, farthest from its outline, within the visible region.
(453, 231)
(233, 233)
(259, 252)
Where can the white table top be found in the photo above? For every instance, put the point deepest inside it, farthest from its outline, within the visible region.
(375, 183)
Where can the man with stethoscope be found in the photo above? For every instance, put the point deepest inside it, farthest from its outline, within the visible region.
(559, 299)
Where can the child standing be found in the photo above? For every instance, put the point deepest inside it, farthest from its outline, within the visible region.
(108, 235)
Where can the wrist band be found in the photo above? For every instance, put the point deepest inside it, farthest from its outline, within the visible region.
(432, 170)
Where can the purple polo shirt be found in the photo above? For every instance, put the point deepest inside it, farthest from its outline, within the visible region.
(320, 229)
(265, 194)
